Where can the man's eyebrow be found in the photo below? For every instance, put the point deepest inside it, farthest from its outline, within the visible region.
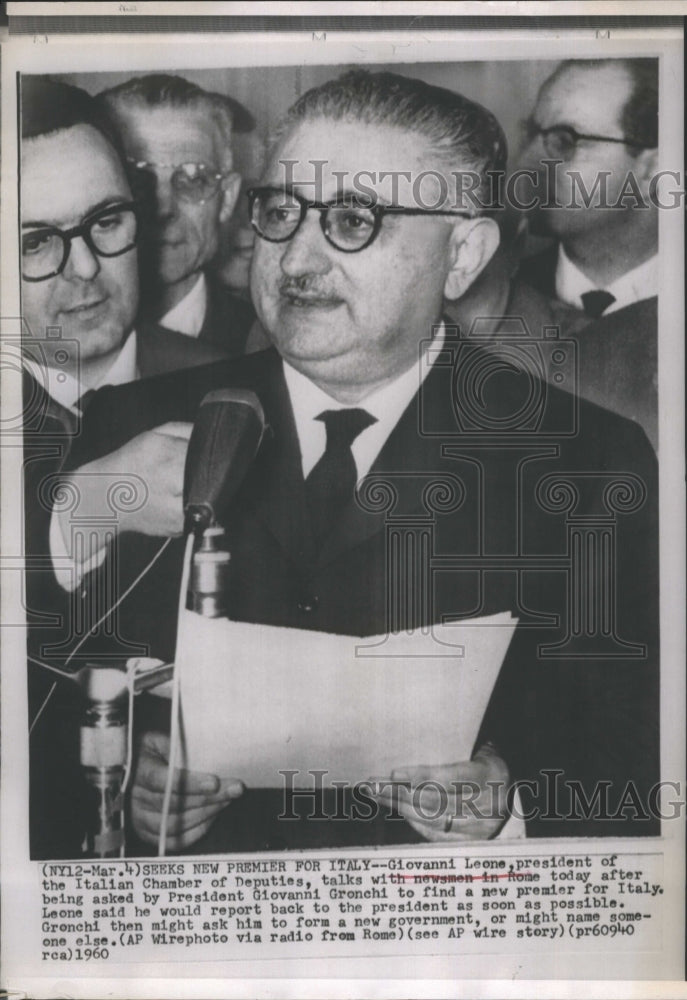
(362, 198)
(562, 123)
(110, 202)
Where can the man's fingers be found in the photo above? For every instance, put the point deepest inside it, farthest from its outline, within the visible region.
(180, 800)
(441, 773)
(177, 823)
(432, 782)
(460, 831)
(181, 842)
(152, 774)
(442, 820)
(424, 802)
(175, 428)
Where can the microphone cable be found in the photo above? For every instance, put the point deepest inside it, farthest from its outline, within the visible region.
(176, 685)
(146, 569)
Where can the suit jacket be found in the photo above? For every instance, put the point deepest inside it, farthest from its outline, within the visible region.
(53, 433)
(539, 311)
(518, 487)
(619, 363)
(53, 439)
(618, 352)
(539, 270)
(159, 351)
(228, 319)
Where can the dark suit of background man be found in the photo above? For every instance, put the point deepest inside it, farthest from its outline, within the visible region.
(350, 295)
(599, 120)
(178, 137)
(79, 302)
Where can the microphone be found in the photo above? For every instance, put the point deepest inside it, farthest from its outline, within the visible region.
(224, 441)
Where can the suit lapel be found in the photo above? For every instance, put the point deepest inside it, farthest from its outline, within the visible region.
(159, 350)
(275, 486)
(227, 320)
(43, 414)
(404, 463)
(276, 490)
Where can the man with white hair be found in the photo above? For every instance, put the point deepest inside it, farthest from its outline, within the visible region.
(178, 139)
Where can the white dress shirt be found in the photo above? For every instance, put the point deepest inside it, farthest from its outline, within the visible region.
(639, 283)
(188, 316)
(386, 405)
(66, 389)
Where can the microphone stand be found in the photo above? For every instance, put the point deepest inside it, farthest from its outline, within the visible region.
(226, 436)
(105, 748)
(104, 728)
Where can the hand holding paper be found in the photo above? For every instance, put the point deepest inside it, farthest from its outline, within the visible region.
(258, 699)
(451, 802)
(197, 798)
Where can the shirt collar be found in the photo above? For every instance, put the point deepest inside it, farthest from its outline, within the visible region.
(639, 283)
(385, 404)
(188, 315)
(65, 389)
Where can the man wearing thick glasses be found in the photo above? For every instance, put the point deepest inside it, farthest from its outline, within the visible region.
(80, 228)
(79, 266)
(178, 139)
(364, 379)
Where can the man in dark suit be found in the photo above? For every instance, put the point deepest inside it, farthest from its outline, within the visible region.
(178, 138)
(498, 295)
(500, 474)
(80, 282)
(616, 353)
(79, 339)
(595, 160)
(348, 294)
(596, 202)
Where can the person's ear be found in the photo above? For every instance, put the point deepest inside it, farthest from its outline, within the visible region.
(231, 186)
(646, 165)
(472, 244)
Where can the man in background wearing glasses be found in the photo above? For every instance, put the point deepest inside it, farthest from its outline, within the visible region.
(79, 264)
(178, 139)
(596, 123)
(79, 235)
(363, 378)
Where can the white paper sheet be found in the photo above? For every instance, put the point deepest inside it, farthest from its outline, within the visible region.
(256, 700)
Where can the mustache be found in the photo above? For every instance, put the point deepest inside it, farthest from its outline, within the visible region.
(306, 284)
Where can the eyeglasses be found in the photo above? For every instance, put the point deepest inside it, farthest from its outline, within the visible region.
(194, 182)
(276, 216)
(560, 140)
(107, 233)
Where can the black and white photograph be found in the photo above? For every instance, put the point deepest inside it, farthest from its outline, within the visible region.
(342, 521)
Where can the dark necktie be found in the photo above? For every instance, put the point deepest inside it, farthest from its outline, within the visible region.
(596, 302)
(331, 483)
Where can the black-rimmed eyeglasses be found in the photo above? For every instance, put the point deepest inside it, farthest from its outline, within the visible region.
(194, 182)
(108, 232)
(560, 141)
(276, 216)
